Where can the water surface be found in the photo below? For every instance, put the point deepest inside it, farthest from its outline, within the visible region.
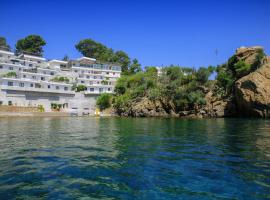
(119, 158)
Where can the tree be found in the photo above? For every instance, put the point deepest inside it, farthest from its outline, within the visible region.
(93, 49)
(3, 44)
(32, 44)
(203, 74)
(65, 58)
(135, 67)
(104, 101)
(123, 59)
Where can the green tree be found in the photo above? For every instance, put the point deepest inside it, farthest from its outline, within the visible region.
(80, 88)
(93, 49)
(123, 59)
(104, 101)
(135, 67)
(32, 44)
(65, 58)
(3, 44)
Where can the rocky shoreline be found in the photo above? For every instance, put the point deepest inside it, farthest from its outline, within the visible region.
(250, 96)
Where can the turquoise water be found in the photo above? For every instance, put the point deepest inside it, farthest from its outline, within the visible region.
(114, 158)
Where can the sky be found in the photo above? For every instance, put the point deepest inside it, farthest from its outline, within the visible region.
(189, 33)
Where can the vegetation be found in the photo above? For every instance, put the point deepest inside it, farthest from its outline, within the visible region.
(181, 88)
(10, 74)
(41, 108)
(32, 44)
(3, 44)
(60, 79)
(102, 53)
(104, 101)
(80, 88)
(65, 58)
(233, 70)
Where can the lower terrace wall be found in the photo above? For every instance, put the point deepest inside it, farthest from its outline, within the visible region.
(4, 108)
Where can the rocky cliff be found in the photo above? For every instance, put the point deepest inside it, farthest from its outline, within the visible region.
(250, 96)
(252, 92)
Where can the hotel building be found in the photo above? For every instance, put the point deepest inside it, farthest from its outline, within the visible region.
(31, 81)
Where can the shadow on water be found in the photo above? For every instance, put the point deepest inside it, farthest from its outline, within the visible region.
(141, 158)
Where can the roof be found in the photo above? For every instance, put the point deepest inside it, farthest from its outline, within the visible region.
(6, 52)
(34, 57)
(86, 58)
(58, 61)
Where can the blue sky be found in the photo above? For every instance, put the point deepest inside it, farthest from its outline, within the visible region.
(159, 32)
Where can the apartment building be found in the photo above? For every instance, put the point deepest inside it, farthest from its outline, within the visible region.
(27, 80)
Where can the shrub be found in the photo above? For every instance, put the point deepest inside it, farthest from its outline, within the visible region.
(104, 101)
(60, 79)
(10, 74)
(80, 88)
(242, 68)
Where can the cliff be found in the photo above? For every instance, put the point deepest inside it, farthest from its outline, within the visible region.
(248, 94)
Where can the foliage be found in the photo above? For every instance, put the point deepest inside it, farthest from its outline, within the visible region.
(3, 44)
(103, 82)
(233, 70)
(80, 88)
(180, 86)
(135, 67)
(32, 44)
(102, 53)
(241, 68)
(10, 74)
(56, 106)
(104, 101)
(41, 108)
(60, 79)
(65, 58)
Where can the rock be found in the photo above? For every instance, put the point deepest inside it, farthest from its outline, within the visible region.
(253, 93)
(249, 54)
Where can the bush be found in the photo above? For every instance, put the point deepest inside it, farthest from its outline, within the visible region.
(242, 68)
(104, 101)
(10, 74)
(60, 79)
(80, 88)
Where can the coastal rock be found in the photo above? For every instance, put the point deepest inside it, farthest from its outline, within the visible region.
(249, 54)
(253, 92)
(146, 108)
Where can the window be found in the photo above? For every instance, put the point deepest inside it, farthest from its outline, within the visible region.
(42, 78)
(20, 69)
(52, 73)
(10, 103)
(33, 77)
(65, 88)
(1, 66)
(10, 83)
(100, 89)
(30, 65)
(1, 102)
(109, 89)
(57, 87)
(92, 89)
(87, 76)
(107, 72)
(49, 86)
(24, 76)
(38, 61)
(21, 84)
(95, 77)
(31, 85)
(82, 81)
(113, 73)
(10, 68)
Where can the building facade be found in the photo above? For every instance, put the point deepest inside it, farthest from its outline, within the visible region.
(27, 80)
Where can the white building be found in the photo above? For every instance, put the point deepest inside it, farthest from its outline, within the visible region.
(27, 80)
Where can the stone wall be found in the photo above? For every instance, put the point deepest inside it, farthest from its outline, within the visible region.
(5, 108)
